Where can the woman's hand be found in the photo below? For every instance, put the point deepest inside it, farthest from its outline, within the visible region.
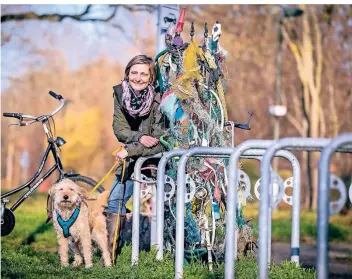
(148, 141)
(121, 154)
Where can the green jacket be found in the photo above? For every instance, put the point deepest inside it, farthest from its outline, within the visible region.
(128, 130)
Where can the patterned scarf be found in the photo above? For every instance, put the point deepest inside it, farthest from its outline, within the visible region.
(137, 105)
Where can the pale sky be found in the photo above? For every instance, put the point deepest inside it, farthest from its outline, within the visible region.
(80, 42)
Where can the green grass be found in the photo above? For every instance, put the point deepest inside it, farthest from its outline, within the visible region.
(30, 251)
(25, 262)
(340, 227)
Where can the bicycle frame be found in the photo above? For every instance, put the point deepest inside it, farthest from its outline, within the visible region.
(58, 165)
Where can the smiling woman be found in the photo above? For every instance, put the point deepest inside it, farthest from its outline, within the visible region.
(137, 124)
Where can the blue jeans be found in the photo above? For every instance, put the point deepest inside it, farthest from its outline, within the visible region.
(119, 196)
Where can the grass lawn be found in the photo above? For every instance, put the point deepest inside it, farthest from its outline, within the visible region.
(30, 251)
(340, 227)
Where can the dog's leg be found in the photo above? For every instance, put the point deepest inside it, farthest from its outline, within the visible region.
(87, 248)
(100, 236)
(63, 251)
(78, 260)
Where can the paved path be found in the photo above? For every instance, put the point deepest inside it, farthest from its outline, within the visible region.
(340, 257)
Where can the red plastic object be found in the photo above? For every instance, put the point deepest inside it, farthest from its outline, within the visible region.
(181, 21)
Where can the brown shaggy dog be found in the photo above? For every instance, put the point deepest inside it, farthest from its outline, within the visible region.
(90, 224)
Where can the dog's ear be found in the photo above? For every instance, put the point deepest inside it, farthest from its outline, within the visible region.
(49, 203)
(52, 190)
(82, 192)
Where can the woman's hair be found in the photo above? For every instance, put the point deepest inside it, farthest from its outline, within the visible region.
(142, 59)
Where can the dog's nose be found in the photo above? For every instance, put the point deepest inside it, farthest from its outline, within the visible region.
(65, 197)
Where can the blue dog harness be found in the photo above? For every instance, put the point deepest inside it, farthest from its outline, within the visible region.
(66, 225)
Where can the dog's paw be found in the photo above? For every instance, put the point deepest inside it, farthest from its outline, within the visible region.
(64, 265)
(77, 262)
(89, 265)
(107, 264)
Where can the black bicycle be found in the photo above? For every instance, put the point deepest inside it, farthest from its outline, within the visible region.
(7, 216)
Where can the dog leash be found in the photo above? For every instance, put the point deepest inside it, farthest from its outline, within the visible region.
(120, 147)
(118, 217)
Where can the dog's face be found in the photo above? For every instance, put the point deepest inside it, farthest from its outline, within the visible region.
(66, 194)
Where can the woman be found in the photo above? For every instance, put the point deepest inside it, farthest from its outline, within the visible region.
(138, 124)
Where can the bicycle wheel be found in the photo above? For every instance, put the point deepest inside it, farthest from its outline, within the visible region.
(86, 182)
(8, 222)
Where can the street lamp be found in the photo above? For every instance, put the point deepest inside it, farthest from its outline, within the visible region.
(278, 110)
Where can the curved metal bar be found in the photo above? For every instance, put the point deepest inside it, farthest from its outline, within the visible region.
(231, 201)
(322, 263)
(160, 199)
(305, 144)
(180, 202)
(296, 204)
(136, 205)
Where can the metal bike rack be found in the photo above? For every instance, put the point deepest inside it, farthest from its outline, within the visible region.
(159, 202)
(296, 175)
(249, 154)
(181, 180)
(303, 144)
(137, 204)
(160, 199)
(232, 200)
(180, 202)
(322, 263)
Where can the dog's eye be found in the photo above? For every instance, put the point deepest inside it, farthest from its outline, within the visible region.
(61, 189)
(71, 189)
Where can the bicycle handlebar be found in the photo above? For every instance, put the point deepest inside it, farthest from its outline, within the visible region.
(243, 126)
(10, 114)
(20, 116)
(56, 96)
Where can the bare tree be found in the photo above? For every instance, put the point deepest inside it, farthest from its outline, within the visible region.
(319, 116)
(86, 15)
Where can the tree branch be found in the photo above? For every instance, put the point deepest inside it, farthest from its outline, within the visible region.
(333, 111)
(295, 123)
(56, 17)
(319, 52)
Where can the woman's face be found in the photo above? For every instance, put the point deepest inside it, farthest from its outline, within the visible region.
(139, 76)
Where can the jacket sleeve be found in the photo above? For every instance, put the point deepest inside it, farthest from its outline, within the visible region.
(122, 129)
(138, 149)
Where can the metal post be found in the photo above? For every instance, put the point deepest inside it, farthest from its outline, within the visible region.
(160, 199)
(322, 263)
(278, 88)
(136, 206)
(153, 218)
(284, 13)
